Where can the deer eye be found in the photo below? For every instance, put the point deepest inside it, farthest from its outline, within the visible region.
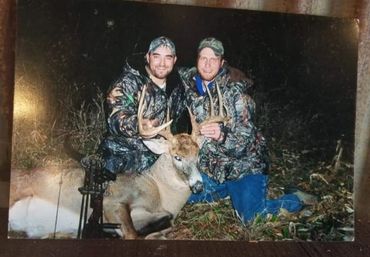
(177, 158)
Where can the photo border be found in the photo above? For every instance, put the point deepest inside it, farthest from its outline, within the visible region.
(20, 247)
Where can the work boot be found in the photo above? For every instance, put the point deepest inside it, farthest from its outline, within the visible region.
(305, 198)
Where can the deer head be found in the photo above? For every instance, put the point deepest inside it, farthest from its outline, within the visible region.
(182, 148)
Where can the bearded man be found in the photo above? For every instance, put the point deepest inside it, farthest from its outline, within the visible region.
(122, 149)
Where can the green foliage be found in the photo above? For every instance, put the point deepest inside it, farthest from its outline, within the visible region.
(40, 141)
(207, 221)
(86, 123)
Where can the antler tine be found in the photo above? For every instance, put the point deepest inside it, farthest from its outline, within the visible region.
(220, 101)
(194, 125)
(168, 114)
(147, 132)
(221, 117)
(211, 100)
(140, 109)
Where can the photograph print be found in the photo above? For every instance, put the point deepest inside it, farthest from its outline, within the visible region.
(156, 121)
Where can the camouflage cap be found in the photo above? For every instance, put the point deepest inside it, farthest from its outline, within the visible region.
(162, 41)
(214, 44)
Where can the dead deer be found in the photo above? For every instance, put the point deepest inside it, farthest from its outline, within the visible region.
(158, 195)
(44, 201)
(140, 203)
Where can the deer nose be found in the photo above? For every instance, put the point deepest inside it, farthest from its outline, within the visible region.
(197, 187)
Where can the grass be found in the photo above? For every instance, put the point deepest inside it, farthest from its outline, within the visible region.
(330, 220)
(205, 221)
(294, 162)
(39, 140)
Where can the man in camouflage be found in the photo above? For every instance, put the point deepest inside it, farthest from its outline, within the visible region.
(122, 149)
(234, 156)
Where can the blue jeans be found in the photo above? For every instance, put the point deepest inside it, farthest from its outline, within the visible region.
(248, 196)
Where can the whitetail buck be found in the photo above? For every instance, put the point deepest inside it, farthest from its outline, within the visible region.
(38, 196)
(137, 202)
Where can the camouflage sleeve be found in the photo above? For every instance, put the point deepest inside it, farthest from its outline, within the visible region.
(178, 104)
(122, 108)
(241, 133)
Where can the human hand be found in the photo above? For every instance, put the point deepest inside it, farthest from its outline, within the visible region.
(211, 130)
(147, 123)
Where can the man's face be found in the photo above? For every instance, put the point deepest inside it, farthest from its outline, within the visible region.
(208, 64)
(161, 62)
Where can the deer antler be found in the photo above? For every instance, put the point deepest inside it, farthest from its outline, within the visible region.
(152, 131)
(194, 126)
(212, 118)
(221, 117)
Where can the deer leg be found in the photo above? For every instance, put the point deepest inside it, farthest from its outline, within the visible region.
(146, 221)
(160, 234)
(160, 222)
(127, 224)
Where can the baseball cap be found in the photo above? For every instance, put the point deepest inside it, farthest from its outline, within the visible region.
(214, 44)
(162, 41)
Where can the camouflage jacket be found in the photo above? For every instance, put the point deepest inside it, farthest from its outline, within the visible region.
(122, 120)
(122, 145)
(243, 149)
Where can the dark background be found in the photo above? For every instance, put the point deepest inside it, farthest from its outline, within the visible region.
(303, 66)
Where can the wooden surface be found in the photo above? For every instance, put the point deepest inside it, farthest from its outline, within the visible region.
(333, 8)
(191, 248)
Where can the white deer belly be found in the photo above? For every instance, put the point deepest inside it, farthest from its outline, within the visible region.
(39, 218)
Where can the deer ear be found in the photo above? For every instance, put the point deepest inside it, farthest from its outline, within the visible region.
(158, 146)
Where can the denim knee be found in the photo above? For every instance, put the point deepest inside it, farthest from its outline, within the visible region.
(248, 195)
(212, 191)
